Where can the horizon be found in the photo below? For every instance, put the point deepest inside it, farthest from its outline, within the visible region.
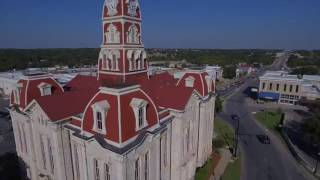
(223, 25)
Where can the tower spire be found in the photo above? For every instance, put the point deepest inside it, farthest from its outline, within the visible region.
(122, 57)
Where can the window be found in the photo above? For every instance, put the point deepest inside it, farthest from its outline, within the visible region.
(105, 62)
(76, 162)
(99, 120)
(189, 81)
(114, 62)
(106, 172)
(188, 139)
(137, 170)
(44, 161)
(146, 166)
(139, 107)
(285, 87)
(100, 110)
(133, 35)
(24, 140)
(165, 150)
(291, 87)
(278, 85)
(96, 169)
(270, 86)
(112, 35)
(50, 156)
(141, 116)
(45, 89)
(263, 85)
(297, 88)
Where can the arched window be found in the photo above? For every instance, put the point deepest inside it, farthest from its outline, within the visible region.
(106, 172)
(105, 62)
(112, 35)
(141, 61)
(133, 35)
(99, 120)
(114, 62)
(96, 169)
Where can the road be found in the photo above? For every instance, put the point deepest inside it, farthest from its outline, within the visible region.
(7, 143)
(260, 161)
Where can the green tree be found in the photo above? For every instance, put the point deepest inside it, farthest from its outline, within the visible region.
(9, 167)
(312, 128)
(219, 105)
(229, 72)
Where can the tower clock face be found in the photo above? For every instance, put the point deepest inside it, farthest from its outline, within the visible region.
(112, 7)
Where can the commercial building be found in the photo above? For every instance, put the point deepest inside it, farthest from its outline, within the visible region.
(121, 125)
(8, 82)
(281, 87)
(215, 71)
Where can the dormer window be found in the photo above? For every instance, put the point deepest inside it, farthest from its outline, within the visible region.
(190, 81)
(99, 120)
(45, 89)
(141, 116)
(100, 110)
(139, 107)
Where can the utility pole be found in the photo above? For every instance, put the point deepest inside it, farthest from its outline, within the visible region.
(236, 118)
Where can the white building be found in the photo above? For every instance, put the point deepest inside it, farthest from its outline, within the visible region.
(289, 89)
(8, 82)
(215, 71)
(122, 124)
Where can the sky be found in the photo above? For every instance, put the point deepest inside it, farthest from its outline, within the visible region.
(216, 24)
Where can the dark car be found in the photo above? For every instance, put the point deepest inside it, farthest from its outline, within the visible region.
(235, 117)
(264, 139)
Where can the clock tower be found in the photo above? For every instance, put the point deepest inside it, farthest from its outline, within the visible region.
(122, 57)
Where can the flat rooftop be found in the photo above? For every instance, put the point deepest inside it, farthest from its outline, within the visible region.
(279, 75)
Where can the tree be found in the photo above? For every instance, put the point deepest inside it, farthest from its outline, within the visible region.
(218, 105)
(312, 128)
(9, 167)
(229, 72)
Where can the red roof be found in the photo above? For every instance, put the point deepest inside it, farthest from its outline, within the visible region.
(62, 106)
(81, 82)
(163, 90)
(70, 103)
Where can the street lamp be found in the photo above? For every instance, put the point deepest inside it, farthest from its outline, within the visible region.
(236, 118)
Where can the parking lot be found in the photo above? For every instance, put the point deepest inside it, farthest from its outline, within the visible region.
(7, 143)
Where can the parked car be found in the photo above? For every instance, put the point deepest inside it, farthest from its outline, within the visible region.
(264, 139)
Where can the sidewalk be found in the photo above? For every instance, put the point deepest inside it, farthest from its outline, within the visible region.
(222, 165)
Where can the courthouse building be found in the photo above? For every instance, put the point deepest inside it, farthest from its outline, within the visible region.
(122, 124)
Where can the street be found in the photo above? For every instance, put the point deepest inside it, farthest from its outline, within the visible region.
(260, 161)
(7, 143)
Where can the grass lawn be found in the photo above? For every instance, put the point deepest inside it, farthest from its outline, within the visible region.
(233, 171)
(270, 120)
(225, 137)
(225, 134)
(203, 173)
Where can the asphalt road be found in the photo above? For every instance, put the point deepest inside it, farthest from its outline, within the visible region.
(7, 143)
(260, 161)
